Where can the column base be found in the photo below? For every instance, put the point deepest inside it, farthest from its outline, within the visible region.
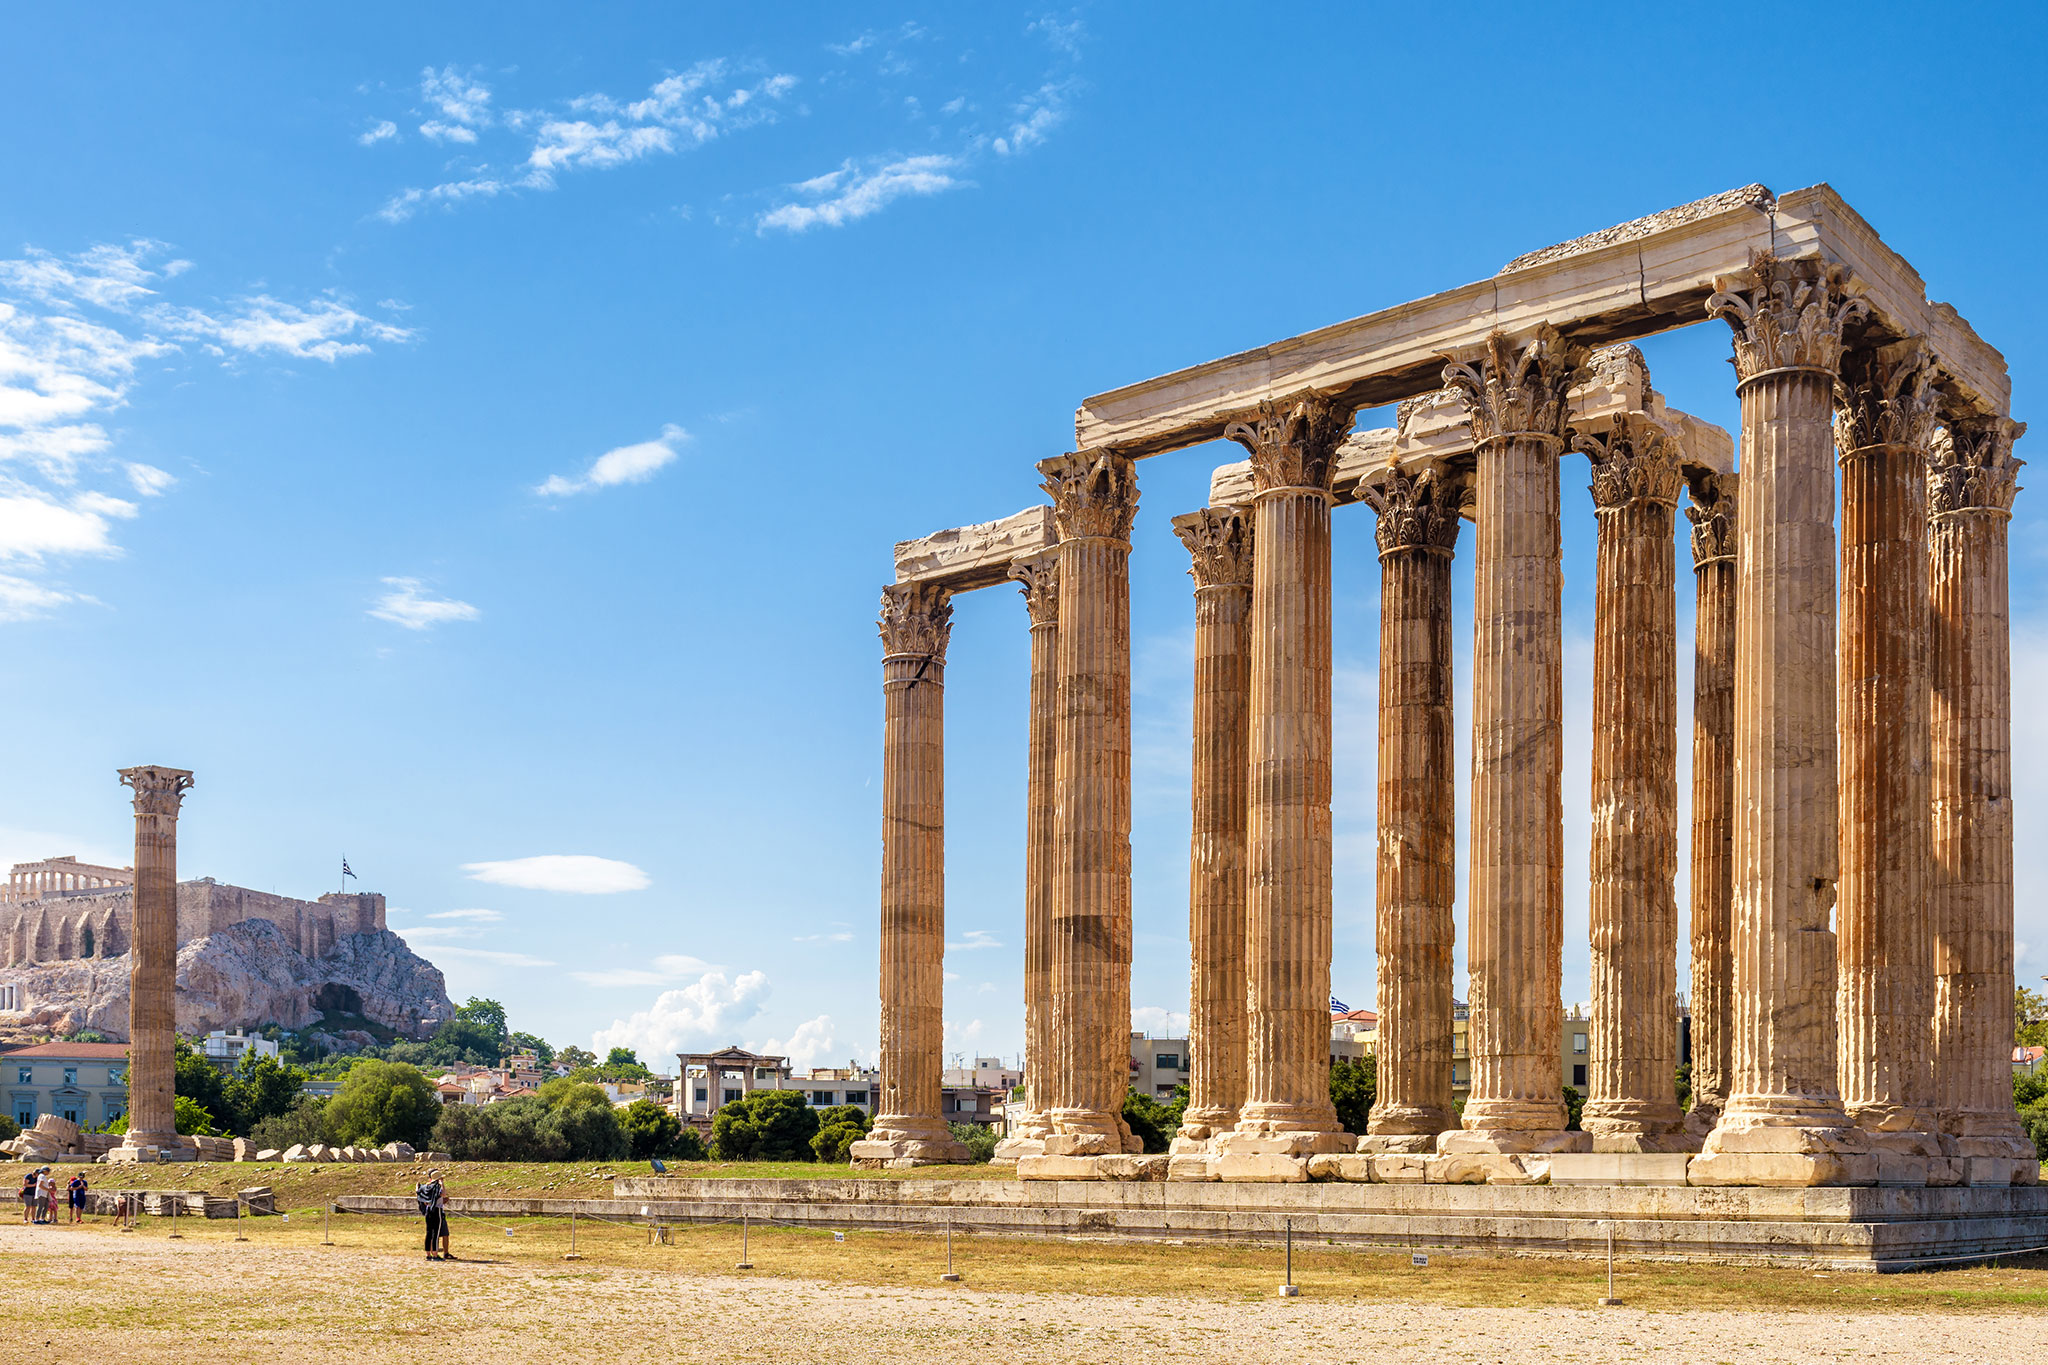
(1511, 1141)
(1399, 1144)
(1396, 1127)
(871, 1155)
(1785, 1141)
(1207, 1121)
(1702, 1119)
(1011, 1148)
(1090, 1132)
(1895, 1128)
(1301, 1145)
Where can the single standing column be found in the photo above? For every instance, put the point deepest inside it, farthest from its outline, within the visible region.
(1416, 881)
(1219, 540)
(908, 1130)
(1712, 512)
(153, 973)
(1515, 392)
(1784, 1123)
(1039, 578)
(1094, 500)
(1972, 479)
(1884, 420)
(1287, 1111)
(1632, 1101)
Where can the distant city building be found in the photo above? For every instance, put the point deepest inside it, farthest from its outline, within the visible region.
(86, 1083)
(226, 1047)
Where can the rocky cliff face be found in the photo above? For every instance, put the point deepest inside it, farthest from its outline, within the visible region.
(247, 975)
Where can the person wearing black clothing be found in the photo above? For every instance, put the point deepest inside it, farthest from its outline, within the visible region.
(433, 1200)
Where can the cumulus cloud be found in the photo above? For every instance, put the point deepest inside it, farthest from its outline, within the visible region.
(461, 103)
(411, 604)
(576, 873)
(813, 1043)
(704, 1015)
(635, 463)
(852, 193)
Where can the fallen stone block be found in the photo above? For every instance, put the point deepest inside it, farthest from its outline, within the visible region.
(1139, 1167)
(1336, 1166)
(269, 1154)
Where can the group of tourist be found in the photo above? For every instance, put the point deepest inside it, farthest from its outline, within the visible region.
(39, 1197)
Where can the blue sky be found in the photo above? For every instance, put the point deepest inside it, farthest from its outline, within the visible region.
(472, 439)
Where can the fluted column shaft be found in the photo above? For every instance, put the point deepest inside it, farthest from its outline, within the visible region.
(1885, 993)
(1220, 543)
(1416, 873)
(1971, 486)
(1094, 498)
(1632, 1103)
(908, 1128)
(1288, 847)
(1514, 950)
(1784, 1122)
(153, 970)
(1713, 794)
(1040, 581)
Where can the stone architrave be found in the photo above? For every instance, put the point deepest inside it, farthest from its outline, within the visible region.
(1784, 1123)
(1971, 483)
(1515, 391)
(1094, 499)
(1287, 1112)
(1219, 542)
(153, 973)
(1885, 417)
(1632, 1102)
(1038, 577)
(1712, 513)
(1416, 881)
(908, 1130)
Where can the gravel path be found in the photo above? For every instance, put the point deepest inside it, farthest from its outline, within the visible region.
(95, 1295)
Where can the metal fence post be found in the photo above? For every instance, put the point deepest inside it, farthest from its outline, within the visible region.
(746, 1261)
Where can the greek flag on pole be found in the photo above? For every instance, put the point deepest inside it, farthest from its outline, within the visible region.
(1338, 1006)
(346, 871)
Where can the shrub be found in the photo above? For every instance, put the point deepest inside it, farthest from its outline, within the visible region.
(1354, 1089)
(588, 1133)
(566, 1092)
(1139, 1116)
(768, 1125)
(193, 1120)
(689, 1146)
(383, 1102)
(833, 1140)
(510, 1130)
(844, 1113)
(651, 1130)
(980, 1141)
(9, 1129)
(304, 1124)
(1574, 1104)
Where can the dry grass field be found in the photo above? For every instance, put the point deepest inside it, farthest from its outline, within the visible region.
(371, 1297)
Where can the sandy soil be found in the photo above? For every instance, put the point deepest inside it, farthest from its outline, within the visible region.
(94, 1294)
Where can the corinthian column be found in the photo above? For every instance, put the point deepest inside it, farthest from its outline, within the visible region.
(1515, 392)
(153, 973)
(1219, 539)
(1038, 576)
(1884, 420)
(1712, 512)
(908, 1131)
(1416, 881)
(1784, 1123)
(1632, 1104)
(1972, 479)
(1287, 1110)
(1094, 499)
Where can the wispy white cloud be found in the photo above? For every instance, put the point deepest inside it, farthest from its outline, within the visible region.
(1159, 1021)
(663, 970)
(411, 604)
(577, 873)
(852, 193)
(836, 936)
(461, 104)
(1033, 118)
(477, 916)
(24, 600)
(973, 939)
(493, 957)
(383, 130)
(635, 463)
(147, 480)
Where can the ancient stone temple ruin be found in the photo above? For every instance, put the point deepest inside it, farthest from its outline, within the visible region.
(1851, 884)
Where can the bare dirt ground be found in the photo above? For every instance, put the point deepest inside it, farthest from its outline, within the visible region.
(95, 1293)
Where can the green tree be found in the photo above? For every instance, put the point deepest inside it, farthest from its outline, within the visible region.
(575, 1057)
(205, 1085)
(2029, 1017)
(621, 1056)
(192, 1118)
(458, 1040)
(844, 1113)
(1684, 1085)
(1354, 1089)
(487, 1014)
(566, 1092)
(979, 1141)
(651, 1130)
(832, 1141)
(303, 1124)
(1574, 1104)
(589, 1133)
(534, 1043)
(690, 1146)
(9, 1129)
(768, 1125)
(382, 1102)
(1148, 1119)
(262, 1088)
(510, 1130)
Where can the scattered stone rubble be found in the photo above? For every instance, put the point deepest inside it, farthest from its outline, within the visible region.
(56, 1140)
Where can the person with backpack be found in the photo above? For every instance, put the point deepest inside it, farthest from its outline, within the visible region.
(28, 1195)
(77, 1189)
(433, 1202)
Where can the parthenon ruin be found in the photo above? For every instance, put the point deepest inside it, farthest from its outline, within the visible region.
(1851, 888)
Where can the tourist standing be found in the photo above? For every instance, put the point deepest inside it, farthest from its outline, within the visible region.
(28, 1195)
(77, 1189)
(433, 1201)
(46, 1196)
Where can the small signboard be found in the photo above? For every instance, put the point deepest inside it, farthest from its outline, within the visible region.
(1418, 1258)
